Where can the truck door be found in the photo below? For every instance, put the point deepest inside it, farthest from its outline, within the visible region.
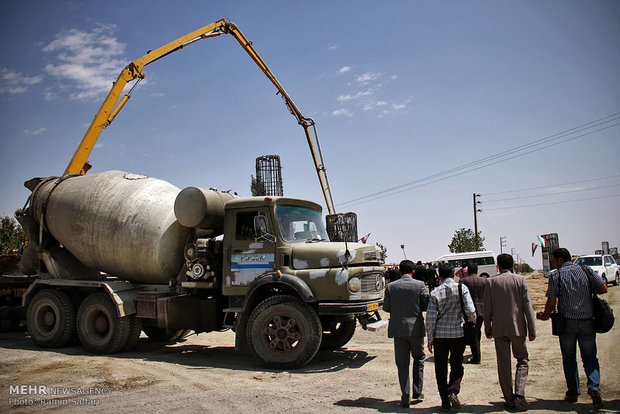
(247, 256)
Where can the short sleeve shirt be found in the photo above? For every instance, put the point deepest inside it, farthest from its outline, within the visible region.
(571, 286)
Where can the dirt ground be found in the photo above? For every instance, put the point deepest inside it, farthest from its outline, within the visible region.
(205, 374)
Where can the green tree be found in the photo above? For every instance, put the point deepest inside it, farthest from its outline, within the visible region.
(464, 240)
(382, 252)
(11, 235)
(258, 187)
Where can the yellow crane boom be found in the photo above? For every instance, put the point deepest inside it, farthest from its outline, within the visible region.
(112, 105)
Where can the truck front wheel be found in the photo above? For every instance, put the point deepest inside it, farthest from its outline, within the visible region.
(338, 335)
(100, 328)
(51, 318)
(284, 332)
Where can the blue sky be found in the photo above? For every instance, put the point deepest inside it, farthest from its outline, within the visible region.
(415, 101)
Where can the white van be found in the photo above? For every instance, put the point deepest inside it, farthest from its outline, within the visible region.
(487, 266)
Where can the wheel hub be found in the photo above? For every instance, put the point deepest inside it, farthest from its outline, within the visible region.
(282, 333)
(101, 324)
(49, 318)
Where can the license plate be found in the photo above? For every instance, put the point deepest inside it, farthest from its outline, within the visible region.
(372, 306)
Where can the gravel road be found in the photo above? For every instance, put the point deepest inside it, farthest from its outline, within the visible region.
(205, 374)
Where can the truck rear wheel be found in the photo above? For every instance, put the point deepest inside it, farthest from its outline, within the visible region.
(51, 318)
(339, 334)
(99, 327)
(135, 330)
(284, 332)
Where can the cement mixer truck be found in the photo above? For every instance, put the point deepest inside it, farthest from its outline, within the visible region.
(119, 253)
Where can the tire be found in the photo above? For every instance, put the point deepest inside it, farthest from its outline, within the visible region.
(339, 336)
(283, 332)
(485, 275)
(99, 327)
(163, 335)
(617, 279)
(134, 332)
(51, 318)
(605, 279)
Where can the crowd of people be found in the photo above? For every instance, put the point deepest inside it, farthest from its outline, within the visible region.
(458, 312)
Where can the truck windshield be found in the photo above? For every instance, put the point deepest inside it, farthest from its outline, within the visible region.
(589, 261)
(300, 224)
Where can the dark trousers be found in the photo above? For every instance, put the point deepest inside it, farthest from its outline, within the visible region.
(406, 347)
(580, 332)
(475, 347)
(449, 349)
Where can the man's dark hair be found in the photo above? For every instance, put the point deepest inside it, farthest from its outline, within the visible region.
(562, 253)
(445, 270)
(505, 261)
(419, 263)
(472, 269)
(406, 267)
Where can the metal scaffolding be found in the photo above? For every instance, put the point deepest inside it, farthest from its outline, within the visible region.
(269, 174)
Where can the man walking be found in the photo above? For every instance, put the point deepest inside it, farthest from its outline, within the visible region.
(444, 329)
(476, 286)
(509, 317)
(570, 285)
(405, 300)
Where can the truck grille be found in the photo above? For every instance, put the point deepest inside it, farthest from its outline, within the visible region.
(372, 282)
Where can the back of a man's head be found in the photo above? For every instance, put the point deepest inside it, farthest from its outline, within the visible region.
(562, 253)
(472, 269)
(406, 267)
(505, 261)
(445, 270)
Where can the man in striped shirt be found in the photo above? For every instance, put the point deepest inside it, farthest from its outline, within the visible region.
(570, 285)
(444, 329)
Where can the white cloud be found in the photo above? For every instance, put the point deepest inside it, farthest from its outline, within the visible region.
(35, 132)
(333, 47)
(88, 61)
(342, 112)
(344, 69)
(398, 106)
(344, 98)
(13, 83)
(381, 103)
(368, 76)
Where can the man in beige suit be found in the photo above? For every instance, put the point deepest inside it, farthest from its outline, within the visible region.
(509, 318)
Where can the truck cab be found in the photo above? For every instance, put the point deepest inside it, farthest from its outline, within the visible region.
(277, 257)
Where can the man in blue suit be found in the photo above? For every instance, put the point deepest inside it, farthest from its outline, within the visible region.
(405, 300)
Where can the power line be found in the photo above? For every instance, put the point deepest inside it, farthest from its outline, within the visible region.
(412, 185)
(552, 203)
(502, 156)
(486, 219)
(551, 194)
(551, 185)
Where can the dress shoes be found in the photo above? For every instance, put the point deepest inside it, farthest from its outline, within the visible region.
(454, 400)
(405, 401)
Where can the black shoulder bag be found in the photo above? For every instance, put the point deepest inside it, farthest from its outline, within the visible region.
(469, 327)
(603, 314)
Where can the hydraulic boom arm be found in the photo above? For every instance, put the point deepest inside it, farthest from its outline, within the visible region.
(111, 105)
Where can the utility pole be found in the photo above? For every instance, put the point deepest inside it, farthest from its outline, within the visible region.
(476, 210)
(402, 246)
(502, 243)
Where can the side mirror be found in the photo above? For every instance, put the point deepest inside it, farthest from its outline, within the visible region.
(260, 226)
(261, 229)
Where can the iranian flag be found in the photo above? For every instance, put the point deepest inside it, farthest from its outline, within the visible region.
(543, 242)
